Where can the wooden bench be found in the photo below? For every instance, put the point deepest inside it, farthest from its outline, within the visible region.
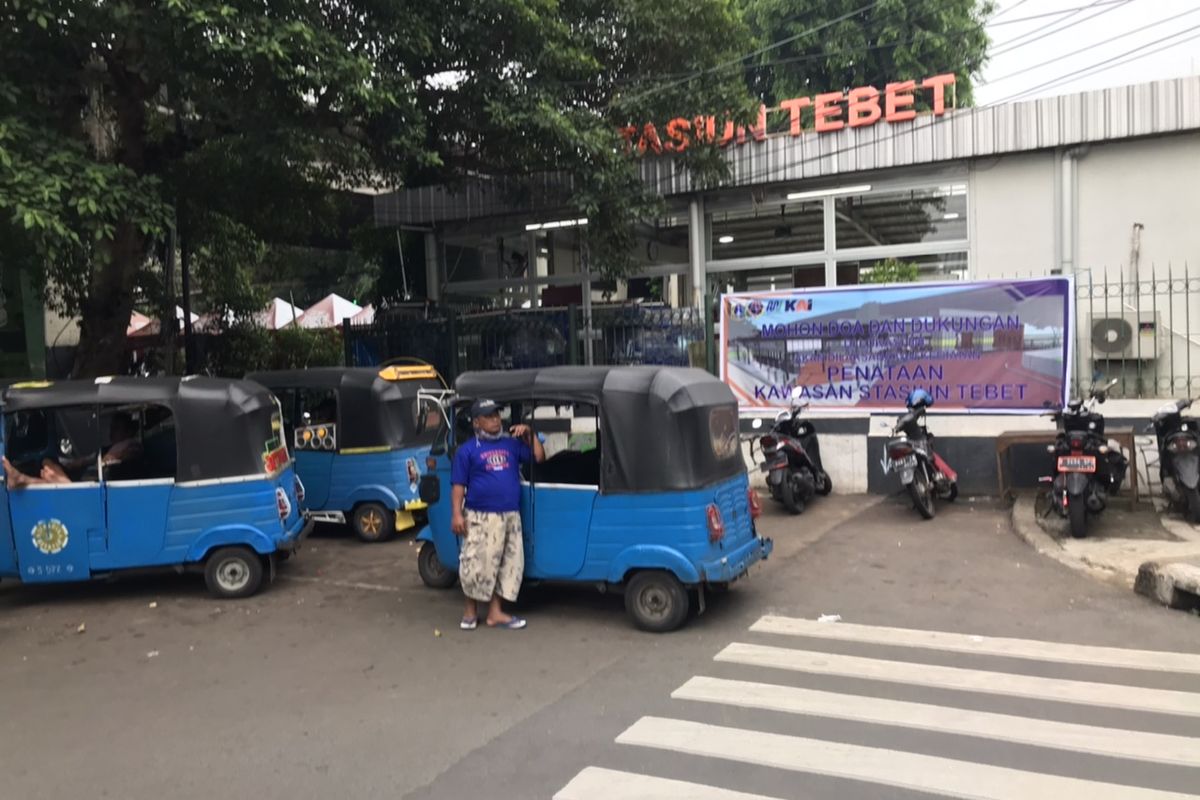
(1007, 440)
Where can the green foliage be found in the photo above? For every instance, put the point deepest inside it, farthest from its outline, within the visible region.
(891, 270)
(245, 347)
(892, 41)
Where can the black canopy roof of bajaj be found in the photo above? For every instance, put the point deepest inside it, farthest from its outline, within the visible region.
(224, 428)
(376, 407)
(661, 428)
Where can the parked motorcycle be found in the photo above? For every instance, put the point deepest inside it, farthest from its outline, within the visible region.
(1179, 457)
(792, 460)
(1088, 467)
(910, 453)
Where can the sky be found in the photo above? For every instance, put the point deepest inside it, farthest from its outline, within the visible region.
(1089, 28)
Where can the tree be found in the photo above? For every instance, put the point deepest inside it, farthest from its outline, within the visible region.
(890, 41)
(891, 270)
(123, 119)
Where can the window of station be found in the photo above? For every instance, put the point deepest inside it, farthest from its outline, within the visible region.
(878, 219)
(936, 267)
(769, 230)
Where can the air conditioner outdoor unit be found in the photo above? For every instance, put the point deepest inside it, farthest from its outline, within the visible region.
(1127, 336)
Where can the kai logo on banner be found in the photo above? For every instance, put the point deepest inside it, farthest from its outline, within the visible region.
(830, 111)
(756, 307)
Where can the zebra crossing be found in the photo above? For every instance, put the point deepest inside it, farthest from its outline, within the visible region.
(799, 653)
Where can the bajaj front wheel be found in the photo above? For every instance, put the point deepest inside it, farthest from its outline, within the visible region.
(233, 572)
(656, 601)
(433, 572)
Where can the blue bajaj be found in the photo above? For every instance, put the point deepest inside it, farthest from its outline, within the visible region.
(360, 436)
(131, 474)
(643, 488)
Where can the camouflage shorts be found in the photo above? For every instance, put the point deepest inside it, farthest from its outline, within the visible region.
(492, 560)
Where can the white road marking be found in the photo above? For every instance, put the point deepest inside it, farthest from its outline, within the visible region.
(1062, 652)
(595, 783)
(933, 774)
(1137, 698)
(1113, 742)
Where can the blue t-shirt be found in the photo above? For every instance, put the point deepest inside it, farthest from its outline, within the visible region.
(491, 473)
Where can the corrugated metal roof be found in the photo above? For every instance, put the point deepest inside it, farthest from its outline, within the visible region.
(1147, 109)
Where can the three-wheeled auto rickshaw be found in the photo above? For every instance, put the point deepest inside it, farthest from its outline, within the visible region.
(643, 487)
(128, 474)
(360, 436)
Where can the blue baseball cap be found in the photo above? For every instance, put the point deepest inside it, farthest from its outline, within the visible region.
(484, 408)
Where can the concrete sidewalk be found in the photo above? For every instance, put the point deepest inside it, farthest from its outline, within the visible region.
(1156, 554)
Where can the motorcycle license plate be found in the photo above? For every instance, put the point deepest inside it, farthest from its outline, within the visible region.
(908, 463)
(1076, 463)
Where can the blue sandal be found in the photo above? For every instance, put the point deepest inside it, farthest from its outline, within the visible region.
(514, 624)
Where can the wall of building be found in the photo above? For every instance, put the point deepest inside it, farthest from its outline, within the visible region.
(1012, 213)
(1149, 181)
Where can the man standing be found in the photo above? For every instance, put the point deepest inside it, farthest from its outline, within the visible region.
(486, 502)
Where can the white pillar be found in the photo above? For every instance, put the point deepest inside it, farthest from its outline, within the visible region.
(433, 280)
(697, 250)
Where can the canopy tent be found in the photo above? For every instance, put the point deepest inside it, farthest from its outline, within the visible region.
(328, 312)
(364, 317)
(278, 314)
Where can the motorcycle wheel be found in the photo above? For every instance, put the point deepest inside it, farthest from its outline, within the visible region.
(1193, 506)
(1077, 513)
(824, 485)
(921, 490)
(952, 494)
(789, 496)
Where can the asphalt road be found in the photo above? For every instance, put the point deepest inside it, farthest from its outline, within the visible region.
(348, 678)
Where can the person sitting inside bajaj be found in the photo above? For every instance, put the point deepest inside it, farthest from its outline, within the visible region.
(486, 509)
(124, 448)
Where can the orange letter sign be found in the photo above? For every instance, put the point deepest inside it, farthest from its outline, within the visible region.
(899, 101)
(939, 83)
(828, 112)
(864, 106)
(794, 107)
(677, 135)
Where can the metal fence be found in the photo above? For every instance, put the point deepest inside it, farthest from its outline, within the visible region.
(517, 339)
(1142, 329)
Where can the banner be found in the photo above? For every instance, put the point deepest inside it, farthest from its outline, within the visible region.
(1002, 346)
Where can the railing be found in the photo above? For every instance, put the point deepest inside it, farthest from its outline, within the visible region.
(1142, 330)
(517, 339)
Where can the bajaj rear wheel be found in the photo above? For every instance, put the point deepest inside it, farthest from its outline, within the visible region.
(921, 490)
(656, 601)
(233, 572)
(373, 522)
(433, 572)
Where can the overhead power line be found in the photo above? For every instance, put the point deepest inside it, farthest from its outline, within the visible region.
(1093, 45)
(1017, 43)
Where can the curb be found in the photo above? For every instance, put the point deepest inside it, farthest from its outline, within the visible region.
(1023, 511)
(1174, 584)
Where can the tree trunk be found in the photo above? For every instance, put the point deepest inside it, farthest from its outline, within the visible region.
(105, 313)
(105, 317)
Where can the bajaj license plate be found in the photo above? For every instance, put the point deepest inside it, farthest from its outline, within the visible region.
(1076, 463)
